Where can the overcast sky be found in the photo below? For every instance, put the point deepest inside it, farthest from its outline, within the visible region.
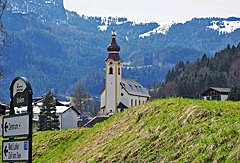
(157, 10)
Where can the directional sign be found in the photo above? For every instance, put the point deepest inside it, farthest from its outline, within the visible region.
(16, 125)
(15, 150)
(18, 150)
(20, 90)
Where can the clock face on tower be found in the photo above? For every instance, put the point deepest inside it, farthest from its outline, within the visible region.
(111, 63)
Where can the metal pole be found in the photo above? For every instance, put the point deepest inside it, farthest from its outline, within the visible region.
(30, 111)
(12, 112)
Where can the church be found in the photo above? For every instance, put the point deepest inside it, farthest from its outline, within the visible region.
(119, 93)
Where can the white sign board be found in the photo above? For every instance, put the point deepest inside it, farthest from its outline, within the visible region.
(19, 86)
(15, 150)
(14, 126)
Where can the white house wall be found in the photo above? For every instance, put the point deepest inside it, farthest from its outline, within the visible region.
(69, 119)
(60, 120)
(224, 97)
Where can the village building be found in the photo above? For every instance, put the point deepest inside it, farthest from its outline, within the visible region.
(215, 93)
(119, 93)
(67, 114)
(3, 109)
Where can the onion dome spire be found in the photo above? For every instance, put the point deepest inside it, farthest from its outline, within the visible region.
(113, 46)
(113, 49)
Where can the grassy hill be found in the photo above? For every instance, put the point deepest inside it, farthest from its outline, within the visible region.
(175, 129)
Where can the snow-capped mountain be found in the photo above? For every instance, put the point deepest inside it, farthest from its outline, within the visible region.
(53, 45)
(162, 28)
(224, 27)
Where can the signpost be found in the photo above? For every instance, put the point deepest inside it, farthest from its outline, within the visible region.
(15, 150)
(20, 90)
(16, 125)
(18, 150)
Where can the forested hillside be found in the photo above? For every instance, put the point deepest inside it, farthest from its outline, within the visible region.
(190, 79)
(54, 48)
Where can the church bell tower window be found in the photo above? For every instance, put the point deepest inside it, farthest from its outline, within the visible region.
(110, 70)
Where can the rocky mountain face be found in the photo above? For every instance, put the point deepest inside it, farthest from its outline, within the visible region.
(54, 47)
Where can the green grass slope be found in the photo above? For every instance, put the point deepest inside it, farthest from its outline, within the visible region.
(175, 129)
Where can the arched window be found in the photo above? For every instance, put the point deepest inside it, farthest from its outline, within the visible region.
(110, 70)
(118, 71)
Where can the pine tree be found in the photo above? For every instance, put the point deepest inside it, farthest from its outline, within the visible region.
(234, 94)
(48, 120)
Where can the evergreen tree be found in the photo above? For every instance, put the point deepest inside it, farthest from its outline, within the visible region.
(168, 77)
(234, 94)
(48, 120)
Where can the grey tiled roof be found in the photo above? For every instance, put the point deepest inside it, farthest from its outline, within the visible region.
(220, 90)
(133, 87)
(226, 90)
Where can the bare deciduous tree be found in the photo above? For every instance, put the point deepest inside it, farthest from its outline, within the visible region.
(3, 4)
(81, 98)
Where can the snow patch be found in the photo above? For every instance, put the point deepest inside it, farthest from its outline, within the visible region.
(162, 28)
(103, 27)
(224, 27)
(105, 22)
(119, 23)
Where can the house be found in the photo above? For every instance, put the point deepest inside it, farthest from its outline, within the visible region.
(3, 108)
(119, 93)
(215, 93)
(67, 115)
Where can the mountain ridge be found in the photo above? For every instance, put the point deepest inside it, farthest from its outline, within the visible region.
(55, 45)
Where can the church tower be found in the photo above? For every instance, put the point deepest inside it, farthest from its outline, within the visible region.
(113, 76)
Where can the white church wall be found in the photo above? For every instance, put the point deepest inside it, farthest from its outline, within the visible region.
(123, 96)
(131, 100)
(103, 99)
(119, 79)
(110, 91)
